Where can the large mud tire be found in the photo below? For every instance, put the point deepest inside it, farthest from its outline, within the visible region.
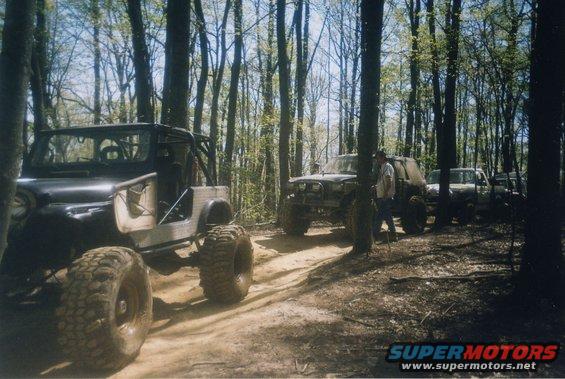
(106, 308)
(466, 214)
(226, 264)
(293, 219)
(415, 216)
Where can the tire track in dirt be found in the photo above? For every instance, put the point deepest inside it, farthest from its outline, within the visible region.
(189, 324)
(188, 331)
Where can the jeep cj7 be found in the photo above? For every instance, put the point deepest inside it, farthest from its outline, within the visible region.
(107, 201)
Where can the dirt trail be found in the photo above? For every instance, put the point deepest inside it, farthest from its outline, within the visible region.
(315, 311)
(189, 332)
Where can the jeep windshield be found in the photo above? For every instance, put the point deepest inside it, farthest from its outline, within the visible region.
(91, 149)
(455, 177)
(341, 165)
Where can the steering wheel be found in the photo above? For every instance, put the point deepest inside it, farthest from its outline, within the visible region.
(106, 151)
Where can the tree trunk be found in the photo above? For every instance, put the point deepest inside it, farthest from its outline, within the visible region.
(371, 33)
(448, 142)
(219, 77)
(174, 110)
(478, 116)
(414, 15)
(284, 82)
(351, 122)
(450, 121)
(562, 164)
(437, 107)
(203, 79)
(342, 78)
(508, 75)
(399, 130)
(313, 136)
(15, 58)
(143, 82)
(398, 147)
(38, 77)
(542, 263)
(267, 118)
(226, 168)
(95, 9)
(301, 68)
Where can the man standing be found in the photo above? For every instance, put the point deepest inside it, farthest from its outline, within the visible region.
(384, 191)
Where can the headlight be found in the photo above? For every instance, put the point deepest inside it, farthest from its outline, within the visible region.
(23, 203)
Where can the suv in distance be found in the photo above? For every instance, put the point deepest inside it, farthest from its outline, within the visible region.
(330, 195)
(469, 192)
(107, 202)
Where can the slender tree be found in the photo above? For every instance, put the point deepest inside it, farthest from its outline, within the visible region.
(351, 121)
(284, 82)
(447, 143)
(301, 67)
(95, 16)
(542, 263)
(175, 82)
(38, 78)
(437, 106)
(412, 110)
(143, 81)
(15, 58)
(266, 154)
(226, 168)
(204, 66)
(371, 33)
(219, 74)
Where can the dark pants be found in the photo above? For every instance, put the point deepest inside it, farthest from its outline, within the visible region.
(384, 213)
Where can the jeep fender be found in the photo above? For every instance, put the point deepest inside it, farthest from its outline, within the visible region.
(75, 217)
(215, 212)
(45, 238)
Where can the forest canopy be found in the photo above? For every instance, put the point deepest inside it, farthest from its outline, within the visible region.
(84, 64)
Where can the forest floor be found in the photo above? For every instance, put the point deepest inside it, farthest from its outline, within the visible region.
(316, 311)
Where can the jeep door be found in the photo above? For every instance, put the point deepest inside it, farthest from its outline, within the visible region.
(135, 204)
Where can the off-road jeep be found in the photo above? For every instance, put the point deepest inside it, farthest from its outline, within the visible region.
(330, 195)
(470, 192)
(106, 201)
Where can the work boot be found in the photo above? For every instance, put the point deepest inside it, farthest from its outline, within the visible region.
(392, 237)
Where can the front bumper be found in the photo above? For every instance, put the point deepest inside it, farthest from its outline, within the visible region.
(454, 204)
(313, 200)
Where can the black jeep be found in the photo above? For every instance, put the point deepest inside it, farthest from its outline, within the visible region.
(107, 201)
(330, 195)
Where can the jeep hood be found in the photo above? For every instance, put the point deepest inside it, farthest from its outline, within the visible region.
(336, 178)
(70, 190)
(453, 186)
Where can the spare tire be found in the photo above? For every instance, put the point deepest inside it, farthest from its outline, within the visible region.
(106, 308)
(414, 216)
(226, 264)
(294, 220)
